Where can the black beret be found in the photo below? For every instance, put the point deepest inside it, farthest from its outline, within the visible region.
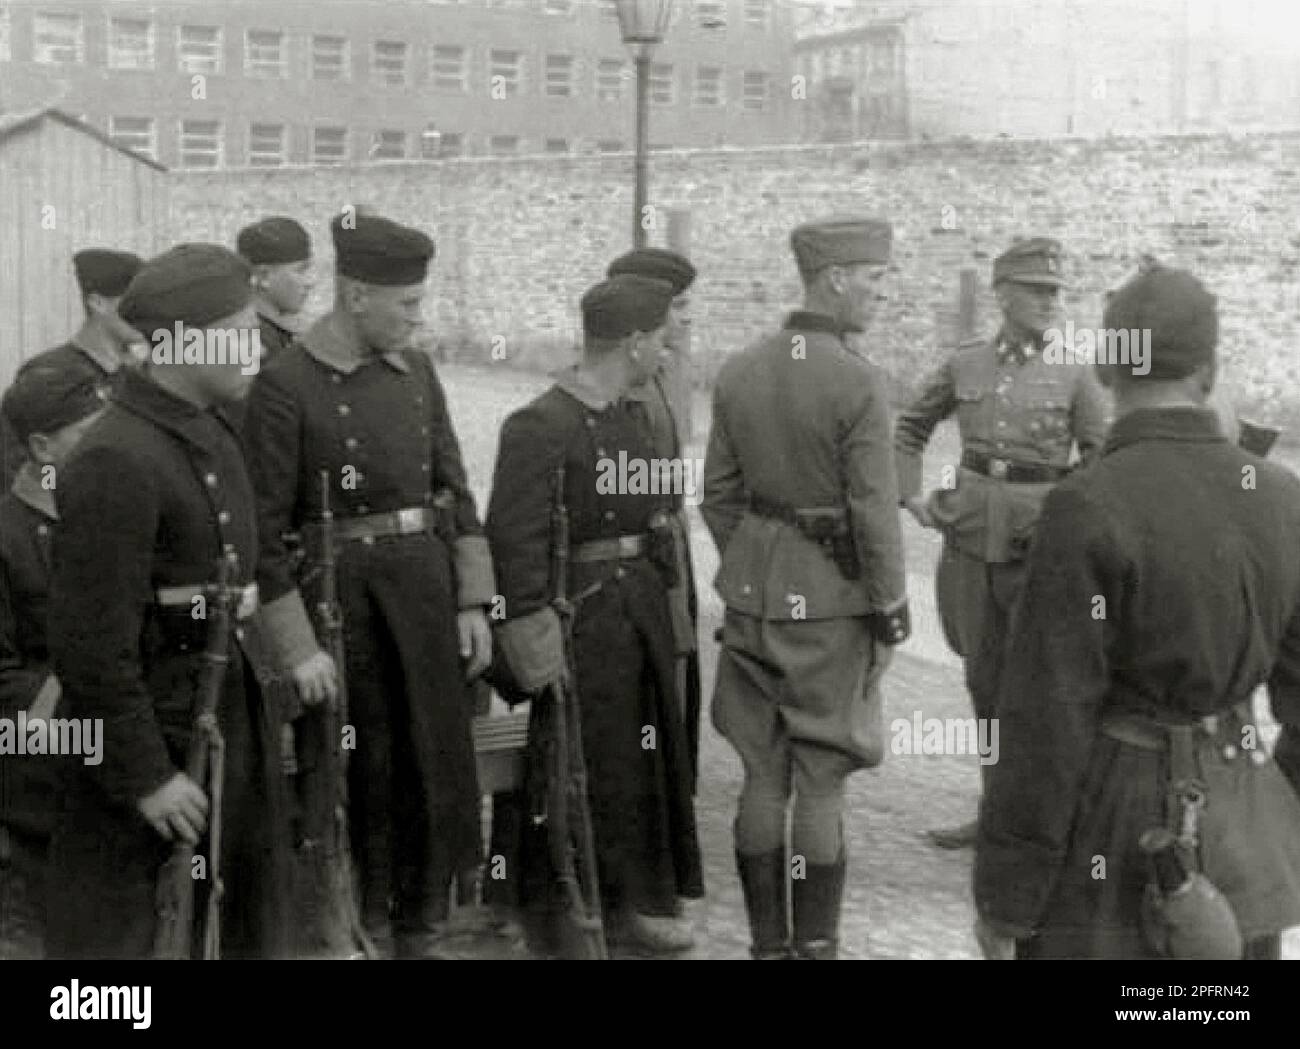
(104, 272)
(376, 250)
(841, 241)
(624, 304)
(45, 398)
(1036, 260)
(192, 283)
(1181, 315)
(273, 241)
(659, 263)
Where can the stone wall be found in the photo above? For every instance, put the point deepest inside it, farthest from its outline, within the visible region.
(520, 238)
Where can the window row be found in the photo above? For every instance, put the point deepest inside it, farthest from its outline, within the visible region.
(202, 143)
(708, 14)
(132, 44)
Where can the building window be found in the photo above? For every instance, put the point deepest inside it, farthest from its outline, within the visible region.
(58, 39)
(266, 145)
(757, 12)
(331, 58)
(508, 66)
(609, 8)
(661, 84)
(389, 145)
(198, 49)
(557, 145)
(710, 14)
(447, 68)
(136, 134)
(130, 43)
(329, 145)
(557, 7)
(609, 145)
(264, 54)
(201, 144)
(882, 54)
(390, 62)
(502, 144)
(453, 144)
(708, 86)
(6, 50)
(559, 76)
(611, 75)
(755, 91)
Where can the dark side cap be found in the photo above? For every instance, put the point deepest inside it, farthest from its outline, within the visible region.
(660, 263)
(1180, 313)
(841, 241)
(192, 283)
(376, 250)
(101, 271)
(274, 241)
(1036, 260)
(45, 398)
(625, 304)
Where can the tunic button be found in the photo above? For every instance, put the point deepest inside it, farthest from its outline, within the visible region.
(367, 540)
(362, 508)
(239, 633)
(350, 443)
(1229, 752)
(210, 480)
(337, 377)
(42, 529)
(609, 515)
(620, 572)
(1258, 757)
(424, 467)
(419, 399)
(590, 422)
(601, 452)
(224, 517)
(424, 431)
(746, 589)
(344, 409)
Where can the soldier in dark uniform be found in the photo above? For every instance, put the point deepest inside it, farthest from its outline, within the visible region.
(49, 408)
(279, 251)
(155, 493)
(100, 347)
(1162, 588)
(351, 399)
(666, 438)
(801, 498)
(1020, 418)
(638, 765)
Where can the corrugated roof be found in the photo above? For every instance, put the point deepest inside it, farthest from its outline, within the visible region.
(12, 123)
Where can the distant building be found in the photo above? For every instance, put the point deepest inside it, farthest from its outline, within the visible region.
(233, 83)
(914, 68)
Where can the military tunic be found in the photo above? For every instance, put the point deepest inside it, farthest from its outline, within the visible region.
(1014, 407)
(29, 784)
(682, 600)
(379, 428)
(640, 796)
(153, 493)
(797, 419)
(274, 334)
(1201, 591)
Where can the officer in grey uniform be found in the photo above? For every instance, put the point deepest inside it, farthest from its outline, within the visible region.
(800, 496)
(1020, 417)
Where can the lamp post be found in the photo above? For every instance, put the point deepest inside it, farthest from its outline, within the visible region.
(642, 24)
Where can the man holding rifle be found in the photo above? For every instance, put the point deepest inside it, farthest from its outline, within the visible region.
(620, 558)
(413, 576)
(154, 496)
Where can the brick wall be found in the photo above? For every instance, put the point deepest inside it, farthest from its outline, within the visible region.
(520, 238)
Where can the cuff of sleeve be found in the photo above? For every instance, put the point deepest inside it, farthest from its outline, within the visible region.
(476, 580)
(1012, 882)
(909, 475)
(287, 625)
(892, 626)
(533, 648)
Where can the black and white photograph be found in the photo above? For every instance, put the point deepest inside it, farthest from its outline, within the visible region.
(628, 480)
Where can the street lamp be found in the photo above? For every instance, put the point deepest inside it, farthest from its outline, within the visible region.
(642, 24)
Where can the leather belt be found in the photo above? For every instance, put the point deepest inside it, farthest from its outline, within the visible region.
(245, 597)
(620, 548)
(1150, 733)
(1011, 470)
(408, 521)
(780, 511)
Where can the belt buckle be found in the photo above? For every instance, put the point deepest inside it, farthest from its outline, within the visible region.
(628, 546)
(410, 520)
(998, 468)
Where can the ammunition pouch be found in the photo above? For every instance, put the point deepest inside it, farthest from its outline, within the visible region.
(662, 549)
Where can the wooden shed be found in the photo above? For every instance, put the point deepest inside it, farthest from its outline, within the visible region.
(64, 185)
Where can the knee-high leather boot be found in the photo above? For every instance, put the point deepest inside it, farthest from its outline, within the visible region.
(765, 880)
(817, 898)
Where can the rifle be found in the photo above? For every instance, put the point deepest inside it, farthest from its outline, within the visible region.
(570, 836)
(205, 761)
(329, 869)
